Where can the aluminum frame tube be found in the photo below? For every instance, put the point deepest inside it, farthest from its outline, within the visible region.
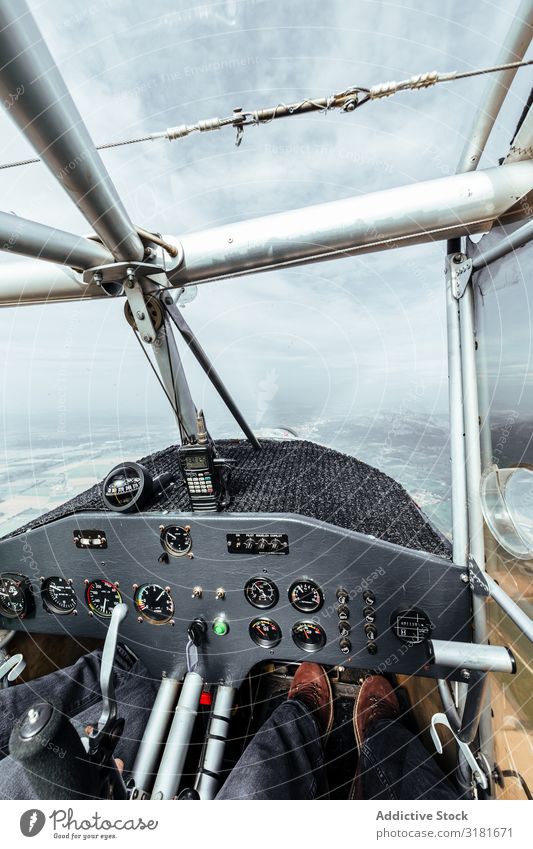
(38, 241)
(207, 783)
(472, 447)
(39, 102)
(155, 733)
(511, 608)
(481, 657)
(175, 380)
(28, 283)
(510, 242)
(171, 766)
(456, 412)
(415, 214)
(513, 49)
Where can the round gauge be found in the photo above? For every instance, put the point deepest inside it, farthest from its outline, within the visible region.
(261, 593)
(15, 596)
(265, 632)
(306, 596)
(127, 487)
(308, 636)
(411, 626)
(154, 603)
(101, 597)
(176, 540)
(58, 596)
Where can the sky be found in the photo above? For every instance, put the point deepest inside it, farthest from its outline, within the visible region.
(352, 337)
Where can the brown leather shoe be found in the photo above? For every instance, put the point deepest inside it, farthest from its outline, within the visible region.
(376, 700)
(312, 686)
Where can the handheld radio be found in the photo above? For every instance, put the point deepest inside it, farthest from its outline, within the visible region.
(206, 475)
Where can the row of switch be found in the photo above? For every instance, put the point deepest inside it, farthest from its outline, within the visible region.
(369, 612)
(343, 612)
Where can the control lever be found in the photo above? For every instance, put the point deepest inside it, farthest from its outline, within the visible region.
(60, 764)
(441, 719)
(196, 633)
(108, 722)
(10, 669)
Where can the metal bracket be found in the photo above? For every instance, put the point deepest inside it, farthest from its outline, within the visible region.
(123, 277)
(461, 274)
(477, 580)
(136, 299)
(441, 719)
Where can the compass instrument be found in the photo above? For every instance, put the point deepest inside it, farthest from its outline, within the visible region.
(129, 486)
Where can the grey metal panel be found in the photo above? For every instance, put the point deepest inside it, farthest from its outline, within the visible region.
(399, 578)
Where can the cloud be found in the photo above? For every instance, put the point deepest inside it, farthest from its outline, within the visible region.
(357, 331)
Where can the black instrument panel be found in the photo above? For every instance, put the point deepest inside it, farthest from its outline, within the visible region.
(336, 596)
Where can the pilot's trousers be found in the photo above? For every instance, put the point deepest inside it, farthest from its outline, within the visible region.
(285, 760)
(78, 688)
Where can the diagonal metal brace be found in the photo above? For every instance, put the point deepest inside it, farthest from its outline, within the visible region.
(478, 774)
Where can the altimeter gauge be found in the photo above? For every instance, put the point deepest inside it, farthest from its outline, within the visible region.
(58, 596)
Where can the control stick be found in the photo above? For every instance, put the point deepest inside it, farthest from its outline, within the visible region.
(60, 764)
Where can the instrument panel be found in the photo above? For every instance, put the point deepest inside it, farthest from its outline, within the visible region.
(267, 586)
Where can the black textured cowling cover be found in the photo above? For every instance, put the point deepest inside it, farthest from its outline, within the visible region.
(294, 477)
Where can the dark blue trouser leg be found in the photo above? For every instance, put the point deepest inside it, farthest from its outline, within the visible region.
(284, 760)
(396, 765)
(78, 687)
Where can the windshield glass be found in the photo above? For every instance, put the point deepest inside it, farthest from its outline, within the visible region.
(348, 353)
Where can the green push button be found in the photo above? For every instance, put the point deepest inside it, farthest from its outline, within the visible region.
(220, 627)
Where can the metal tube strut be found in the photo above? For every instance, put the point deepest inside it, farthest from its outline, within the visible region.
(37, 99)
(208, 780)
(171, 767)
(513, 49)
(143, 774)
(28, 238)
(204, 361)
